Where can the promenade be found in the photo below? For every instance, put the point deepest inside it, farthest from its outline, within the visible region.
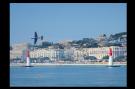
(47, 64)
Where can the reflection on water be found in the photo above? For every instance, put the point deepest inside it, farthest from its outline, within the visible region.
(92, 76)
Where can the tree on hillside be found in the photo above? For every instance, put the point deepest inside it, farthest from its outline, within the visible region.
(120, 58)
(117, 36)
(105, 57)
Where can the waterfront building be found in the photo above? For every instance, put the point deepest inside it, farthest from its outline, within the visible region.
(77, 53)
(100, 52)
(53, 54)
(68, 54)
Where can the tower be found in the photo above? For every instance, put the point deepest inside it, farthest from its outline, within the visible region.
(27, 58)
(110, 62)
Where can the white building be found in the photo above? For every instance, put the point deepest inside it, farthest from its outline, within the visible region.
(53, 54)
(100, 52)
(72, 53)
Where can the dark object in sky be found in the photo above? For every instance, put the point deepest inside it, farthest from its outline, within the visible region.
(36, 38)
(41, 37)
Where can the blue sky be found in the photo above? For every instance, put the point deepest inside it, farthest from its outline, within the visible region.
(65, 21)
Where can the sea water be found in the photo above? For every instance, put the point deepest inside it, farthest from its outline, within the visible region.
(68, 76)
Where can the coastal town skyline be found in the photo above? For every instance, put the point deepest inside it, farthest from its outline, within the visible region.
(65, 21)
(68, 45)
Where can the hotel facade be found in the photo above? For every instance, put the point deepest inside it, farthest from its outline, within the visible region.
(77, 53)
(72, 53)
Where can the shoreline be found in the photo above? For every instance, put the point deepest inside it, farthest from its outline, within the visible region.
(57, 64)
